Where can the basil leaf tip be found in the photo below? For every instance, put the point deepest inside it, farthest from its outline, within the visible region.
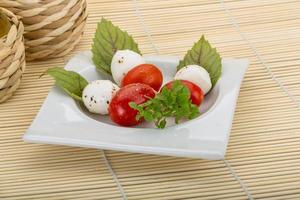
(203, 54)
(69, 81)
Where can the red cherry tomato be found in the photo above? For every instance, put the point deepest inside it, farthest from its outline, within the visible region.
(197, 95)
(144, 73)
(119, 110)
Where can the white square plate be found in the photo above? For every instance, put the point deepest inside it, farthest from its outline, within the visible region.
(63, 121)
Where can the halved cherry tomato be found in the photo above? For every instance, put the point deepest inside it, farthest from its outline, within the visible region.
(119, 110)
(197, 95)
(145, 73)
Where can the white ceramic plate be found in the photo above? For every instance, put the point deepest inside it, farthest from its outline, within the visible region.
(63, 121)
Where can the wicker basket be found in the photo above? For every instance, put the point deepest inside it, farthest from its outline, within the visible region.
(12, 57)
(52, 27)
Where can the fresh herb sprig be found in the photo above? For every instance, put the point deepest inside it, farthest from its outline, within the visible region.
(174, 102)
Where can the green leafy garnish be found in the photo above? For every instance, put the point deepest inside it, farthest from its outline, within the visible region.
(71, 82)
(174, 102)
(108, 39)
(204, 55)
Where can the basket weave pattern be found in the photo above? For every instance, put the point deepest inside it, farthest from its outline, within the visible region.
(12, 57)
(52, 27)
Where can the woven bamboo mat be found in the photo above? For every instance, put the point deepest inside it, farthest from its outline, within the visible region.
(263, 159)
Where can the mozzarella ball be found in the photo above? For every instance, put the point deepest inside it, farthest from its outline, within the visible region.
(195, 74)
(122, 62)
(97, 95)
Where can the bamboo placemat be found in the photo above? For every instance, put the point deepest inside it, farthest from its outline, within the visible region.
(263, 159)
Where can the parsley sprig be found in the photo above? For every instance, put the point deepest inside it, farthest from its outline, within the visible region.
(174, 102)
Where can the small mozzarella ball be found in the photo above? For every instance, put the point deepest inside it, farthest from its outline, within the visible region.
(195, 74)
(97, 95)
(122, 62)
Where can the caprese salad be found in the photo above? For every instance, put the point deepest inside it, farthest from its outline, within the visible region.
(137, 92)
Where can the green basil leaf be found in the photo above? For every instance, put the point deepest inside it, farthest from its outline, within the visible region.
(71, 82)
(207, 57)
(108, 39)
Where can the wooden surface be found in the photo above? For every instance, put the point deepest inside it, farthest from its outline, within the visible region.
(265, 139)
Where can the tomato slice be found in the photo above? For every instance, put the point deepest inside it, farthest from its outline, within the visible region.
(119, 110)
(197, 95)
(145, 73)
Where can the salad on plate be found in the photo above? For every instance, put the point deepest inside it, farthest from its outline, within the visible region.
(138, 92)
